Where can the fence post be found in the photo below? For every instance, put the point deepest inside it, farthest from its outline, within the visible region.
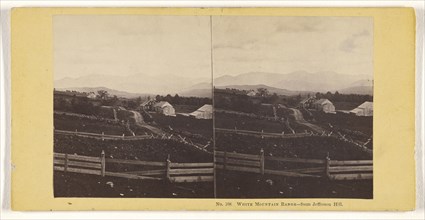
(262, 161)
(66, 163)
(102, 163)
(103, 133)
(167, 171)
(224, 160)
(327, 163)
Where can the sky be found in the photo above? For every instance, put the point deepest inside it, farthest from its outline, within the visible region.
(286, 44)
(127, 45)
(131, 44)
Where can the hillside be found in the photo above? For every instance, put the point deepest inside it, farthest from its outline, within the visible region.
(110, 91)
(269, 88)
(294, 81)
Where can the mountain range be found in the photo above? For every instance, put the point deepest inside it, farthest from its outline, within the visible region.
(137, 83)
(283, 84)
(111, 92)
(299, 81)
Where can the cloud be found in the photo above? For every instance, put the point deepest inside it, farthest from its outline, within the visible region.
(239, 45)
(300, 25)
(351, 43)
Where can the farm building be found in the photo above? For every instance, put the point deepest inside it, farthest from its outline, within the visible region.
(164, 108)
(365, 109)
(251, 93)
(306, 103)
(204, 112)
(147, 105)
(91, 95)
(324, 105)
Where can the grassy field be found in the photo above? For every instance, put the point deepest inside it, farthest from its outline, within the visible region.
(307, 147)
(230, 121)
(346, 122)
(106, 113)
(245, 185)
(149, 149)
(186, 125)
(72, 123)
(79, 185)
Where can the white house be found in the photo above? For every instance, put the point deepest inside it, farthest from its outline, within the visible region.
(365, 109)
(251, 93)
(324, 105)
(91, 95)
(164, 108)
(204, 112)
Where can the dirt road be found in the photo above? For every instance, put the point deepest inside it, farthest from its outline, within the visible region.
(139, 122)
(300, 120)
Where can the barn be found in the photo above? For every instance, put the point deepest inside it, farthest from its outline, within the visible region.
(307, 102)
(147, 105)
(324, 105)
(92, 95)
(164, 108)
(251, 93)
(204, 112)
(365, 109)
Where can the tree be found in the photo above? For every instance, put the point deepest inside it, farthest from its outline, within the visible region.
(176, 99)
(102, 94)
(318, 95)
(132, 104)
(328, 95)
(263, 92)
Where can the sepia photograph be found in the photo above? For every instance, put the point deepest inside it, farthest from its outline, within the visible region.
(133, 106)
(129, 109)
(293, 106)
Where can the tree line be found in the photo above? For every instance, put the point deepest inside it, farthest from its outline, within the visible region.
(338, 97)
(180, 100)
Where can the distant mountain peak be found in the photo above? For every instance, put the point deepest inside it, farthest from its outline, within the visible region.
(294, 81)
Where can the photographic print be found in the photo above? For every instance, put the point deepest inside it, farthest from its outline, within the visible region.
(226, 109)
(293, 106)
(132, 106)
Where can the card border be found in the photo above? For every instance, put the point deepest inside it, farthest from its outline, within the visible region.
(32, 122)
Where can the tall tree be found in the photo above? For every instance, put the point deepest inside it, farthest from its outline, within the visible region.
(263, 92)
(102, 94)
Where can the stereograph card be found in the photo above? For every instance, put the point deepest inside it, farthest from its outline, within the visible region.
(213, 108)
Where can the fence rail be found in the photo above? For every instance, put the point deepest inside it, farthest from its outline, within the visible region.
(167, 170)
(103, 136)
(332, 169)
(263, 134)
(339, 136)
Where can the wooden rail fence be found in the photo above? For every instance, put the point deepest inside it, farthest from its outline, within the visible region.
(332, 169)
(103, 136)
(166, 170)
(264, 134)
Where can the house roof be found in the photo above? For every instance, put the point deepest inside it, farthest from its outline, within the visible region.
(322, 101)
(146, 102)
(306, 100)
(366, 105)
(204, 108)
(162, 104)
